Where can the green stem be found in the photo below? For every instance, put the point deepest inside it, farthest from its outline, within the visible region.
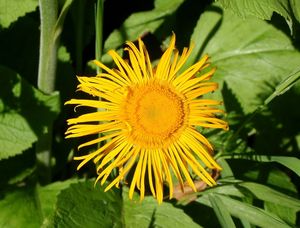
(51, 28)
(46, 80)
(99, 31)
(48, 46)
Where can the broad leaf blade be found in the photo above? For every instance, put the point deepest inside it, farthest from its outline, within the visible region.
(221, 211)
(261, 9)
(140, 23)
(268, 194)
(25, 113)
(292, 163)
(289, 215)
(48, 197)
(20, 208)
(10, 11)
(149, 213)
(254, 215)
(83, 205)
(251, 56)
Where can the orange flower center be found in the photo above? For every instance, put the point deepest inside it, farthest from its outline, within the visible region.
(154, 113)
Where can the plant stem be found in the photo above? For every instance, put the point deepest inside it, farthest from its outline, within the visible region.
(48, 46)
(99, 32)
(46, 80)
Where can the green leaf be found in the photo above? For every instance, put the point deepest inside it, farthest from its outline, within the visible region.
(289, 215)
(254, 215)
(61, 18)
(261, 9)
(10, 11)
(15, 169)
(292, 163)
(295, 5)
(140, 23)
(149, 213)
(268, 194)
(226, 170)
(25, 113)
(19, 48)
(229, 189)
(251, 56)
(20, 208)
(48, 197)
(83, 205)
(221, 211)
(284, 85)
(269, 175)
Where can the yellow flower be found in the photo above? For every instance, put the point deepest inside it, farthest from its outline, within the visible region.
(147, 120)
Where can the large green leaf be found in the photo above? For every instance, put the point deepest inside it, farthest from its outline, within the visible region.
(268, 194)
(261, 9)
(15, 169)
(48, 198)
(230, 190)
(251, 56)
(295, 4)
(140, 23)
(19, 47)
(221, 211)
(289, 215)
(20, 208)
(291, 163)
(149, 214)
(10, 11)
(83, 205)
(31, 205)
(288, 9)
(254, 215)
(25, 113)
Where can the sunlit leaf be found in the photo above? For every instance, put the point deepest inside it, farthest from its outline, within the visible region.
(10, 11)
(140, 23)
(25, 113)
(268, 194)
(221, 211)
(295, 4)
(251, 56)
(291, 163)
(288, 214)
(254, 215)
(149, 214)
(14, 170)
(48, 197)
(83, 205)
(20, 208)
(261, 9)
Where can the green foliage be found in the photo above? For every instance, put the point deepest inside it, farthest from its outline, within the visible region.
(149, 214)
(254, 215)
(140, 23)
(257, 60)
(249, 60)
(21, 107)
(10, 11)
(289, 9)
(21, 204)
(261, 9)
(84, 205)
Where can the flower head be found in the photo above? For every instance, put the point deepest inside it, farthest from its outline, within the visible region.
(147, 120)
